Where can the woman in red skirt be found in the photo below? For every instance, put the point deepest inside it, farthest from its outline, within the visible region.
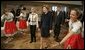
(22, 25)
(9, 25)
(73, 40)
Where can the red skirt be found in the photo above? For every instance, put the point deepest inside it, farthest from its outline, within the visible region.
(22, 24)
(10, 27)
(75, 41)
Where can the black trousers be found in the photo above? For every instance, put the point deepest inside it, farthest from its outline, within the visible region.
(57, 30)
(32, 31)
(16, 19)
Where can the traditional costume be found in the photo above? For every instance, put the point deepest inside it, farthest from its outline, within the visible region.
(22, 21)
(75, 41)
(9, 25)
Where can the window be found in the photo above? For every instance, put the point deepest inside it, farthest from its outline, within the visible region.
(63, 8)
(54, 8)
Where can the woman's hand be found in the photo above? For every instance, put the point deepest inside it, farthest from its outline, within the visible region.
(66, 20)
(57, 44)
(51, 31)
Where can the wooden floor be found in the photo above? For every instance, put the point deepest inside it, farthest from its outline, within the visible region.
(22, 41)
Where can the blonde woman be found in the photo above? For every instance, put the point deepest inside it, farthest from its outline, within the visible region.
(33, 22)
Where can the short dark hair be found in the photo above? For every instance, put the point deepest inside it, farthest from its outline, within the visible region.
(21, 5)
(24, 8)
(59, 6)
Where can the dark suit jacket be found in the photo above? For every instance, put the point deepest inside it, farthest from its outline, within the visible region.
(59, 18)
(13, 12)
(46, 20)
(18, 12)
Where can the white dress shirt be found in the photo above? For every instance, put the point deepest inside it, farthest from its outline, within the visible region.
(58, 13)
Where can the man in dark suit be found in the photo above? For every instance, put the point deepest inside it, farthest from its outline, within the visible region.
(18, 11)
(59, 19)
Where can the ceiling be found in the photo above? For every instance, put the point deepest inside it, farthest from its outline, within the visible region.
(63, 2)
(60, 2)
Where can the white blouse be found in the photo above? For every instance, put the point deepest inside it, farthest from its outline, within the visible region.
(33, 19)
(23, 14)
(75, 26)
(8, 17)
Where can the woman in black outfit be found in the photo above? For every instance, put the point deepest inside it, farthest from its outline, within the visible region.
(46, 23)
